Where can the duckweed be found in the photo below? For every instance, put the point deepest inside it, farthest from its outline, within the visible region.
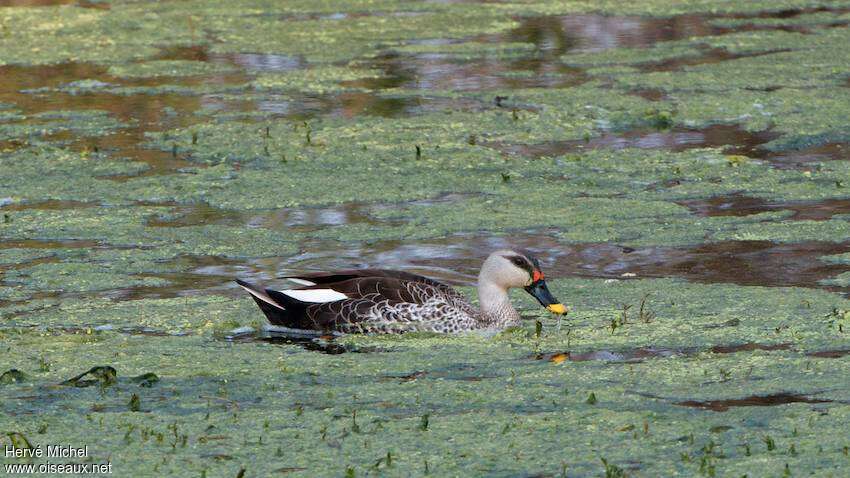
(117, 311)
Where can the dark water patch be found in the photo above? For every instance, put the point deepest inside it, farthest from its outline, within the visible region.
(143, 331)
(734, 138)
(436, 72)
(739, 262)
(285, 219)
(44, 244)
(742, 205)
(351, 104)
(323, 344)
(464, 372)
(261, 62)
(748, 347)
(804, 158)
(200, 214)
(408, 377)
(751, 401)
(539, 68)
(29, 263)
(755, 263)
(838, 353)
(317, 345)
(184, 53)
(126, 144)
(708, 56)
(787, 12)
(625, 356)
(49, 3)
(50, 205)
(36, 89)
(728, 323)
(590, 33)
(728, 205)
(651, 94)
(199, 274)
(790, 28)
(456, 260)
(643, 353)
(17, 78)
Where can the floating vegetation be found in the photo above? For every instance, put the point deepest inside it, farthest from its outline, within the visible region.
(103, 376)
(679, 167)
(146, 380)
(12, 376)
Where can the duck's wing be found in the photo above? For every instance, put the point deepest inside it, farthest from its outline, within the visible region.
(374, 305)
(317, 278)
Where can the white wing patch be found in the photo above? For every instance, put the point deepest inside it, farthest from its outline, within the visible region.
(300, 281)
(318, 296)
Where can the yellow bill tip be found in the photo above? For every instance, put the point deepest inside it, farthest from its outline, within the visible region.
(559, 309)
(559, 358)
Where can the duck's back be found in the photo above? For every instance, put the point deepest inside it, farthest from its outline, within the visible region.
(372, 301)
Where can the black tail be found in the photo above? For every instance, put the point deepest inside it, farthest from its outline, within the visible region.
(275, 312)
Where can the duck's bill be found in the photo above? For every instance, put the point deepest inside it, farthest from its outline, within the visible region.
(541, 292)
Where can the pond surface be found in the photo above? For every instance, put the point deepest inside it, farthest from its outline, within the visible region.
(681, 170)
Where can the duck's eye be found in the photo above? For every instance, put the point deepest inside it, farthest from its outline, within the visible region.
(518, 261)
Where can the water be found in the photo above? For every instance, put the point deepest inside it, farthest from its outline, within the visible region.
(234, 398)
(454, 259)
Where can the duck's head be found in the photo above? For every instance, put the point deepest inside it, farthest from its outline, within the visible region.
(508, 269)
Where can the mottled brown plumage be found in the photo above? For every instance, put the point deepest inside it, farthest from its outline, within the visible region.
(386, 301)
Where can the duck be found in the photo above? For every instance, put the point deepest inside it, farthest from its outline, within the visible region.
(380, 301)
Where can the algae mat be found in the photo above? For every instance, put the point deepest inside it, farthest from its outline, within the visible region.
(681, 169)
(744, 387)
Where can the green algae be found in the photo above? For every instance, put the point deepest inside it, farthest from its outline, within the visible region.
(125, 226)
(837, 258)
(832, 230)
(158, 68)
(84, 123)
(338, 411)
(182, 315)
(68, 33)
(621, 221)
(841, 280)
(77, 277)
(770, 86)
(39, 173)
(7, 116)
(19, 256)
(12, 376)
(805, 19)
(331, 40)
(756, 313)
(633, 56)
(21, 305)
(316, 80)
(492, 408)
(538, 193)
(470, 50)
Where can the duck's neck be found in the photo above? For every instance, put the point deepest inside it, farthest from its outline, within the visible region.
(496, 308)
